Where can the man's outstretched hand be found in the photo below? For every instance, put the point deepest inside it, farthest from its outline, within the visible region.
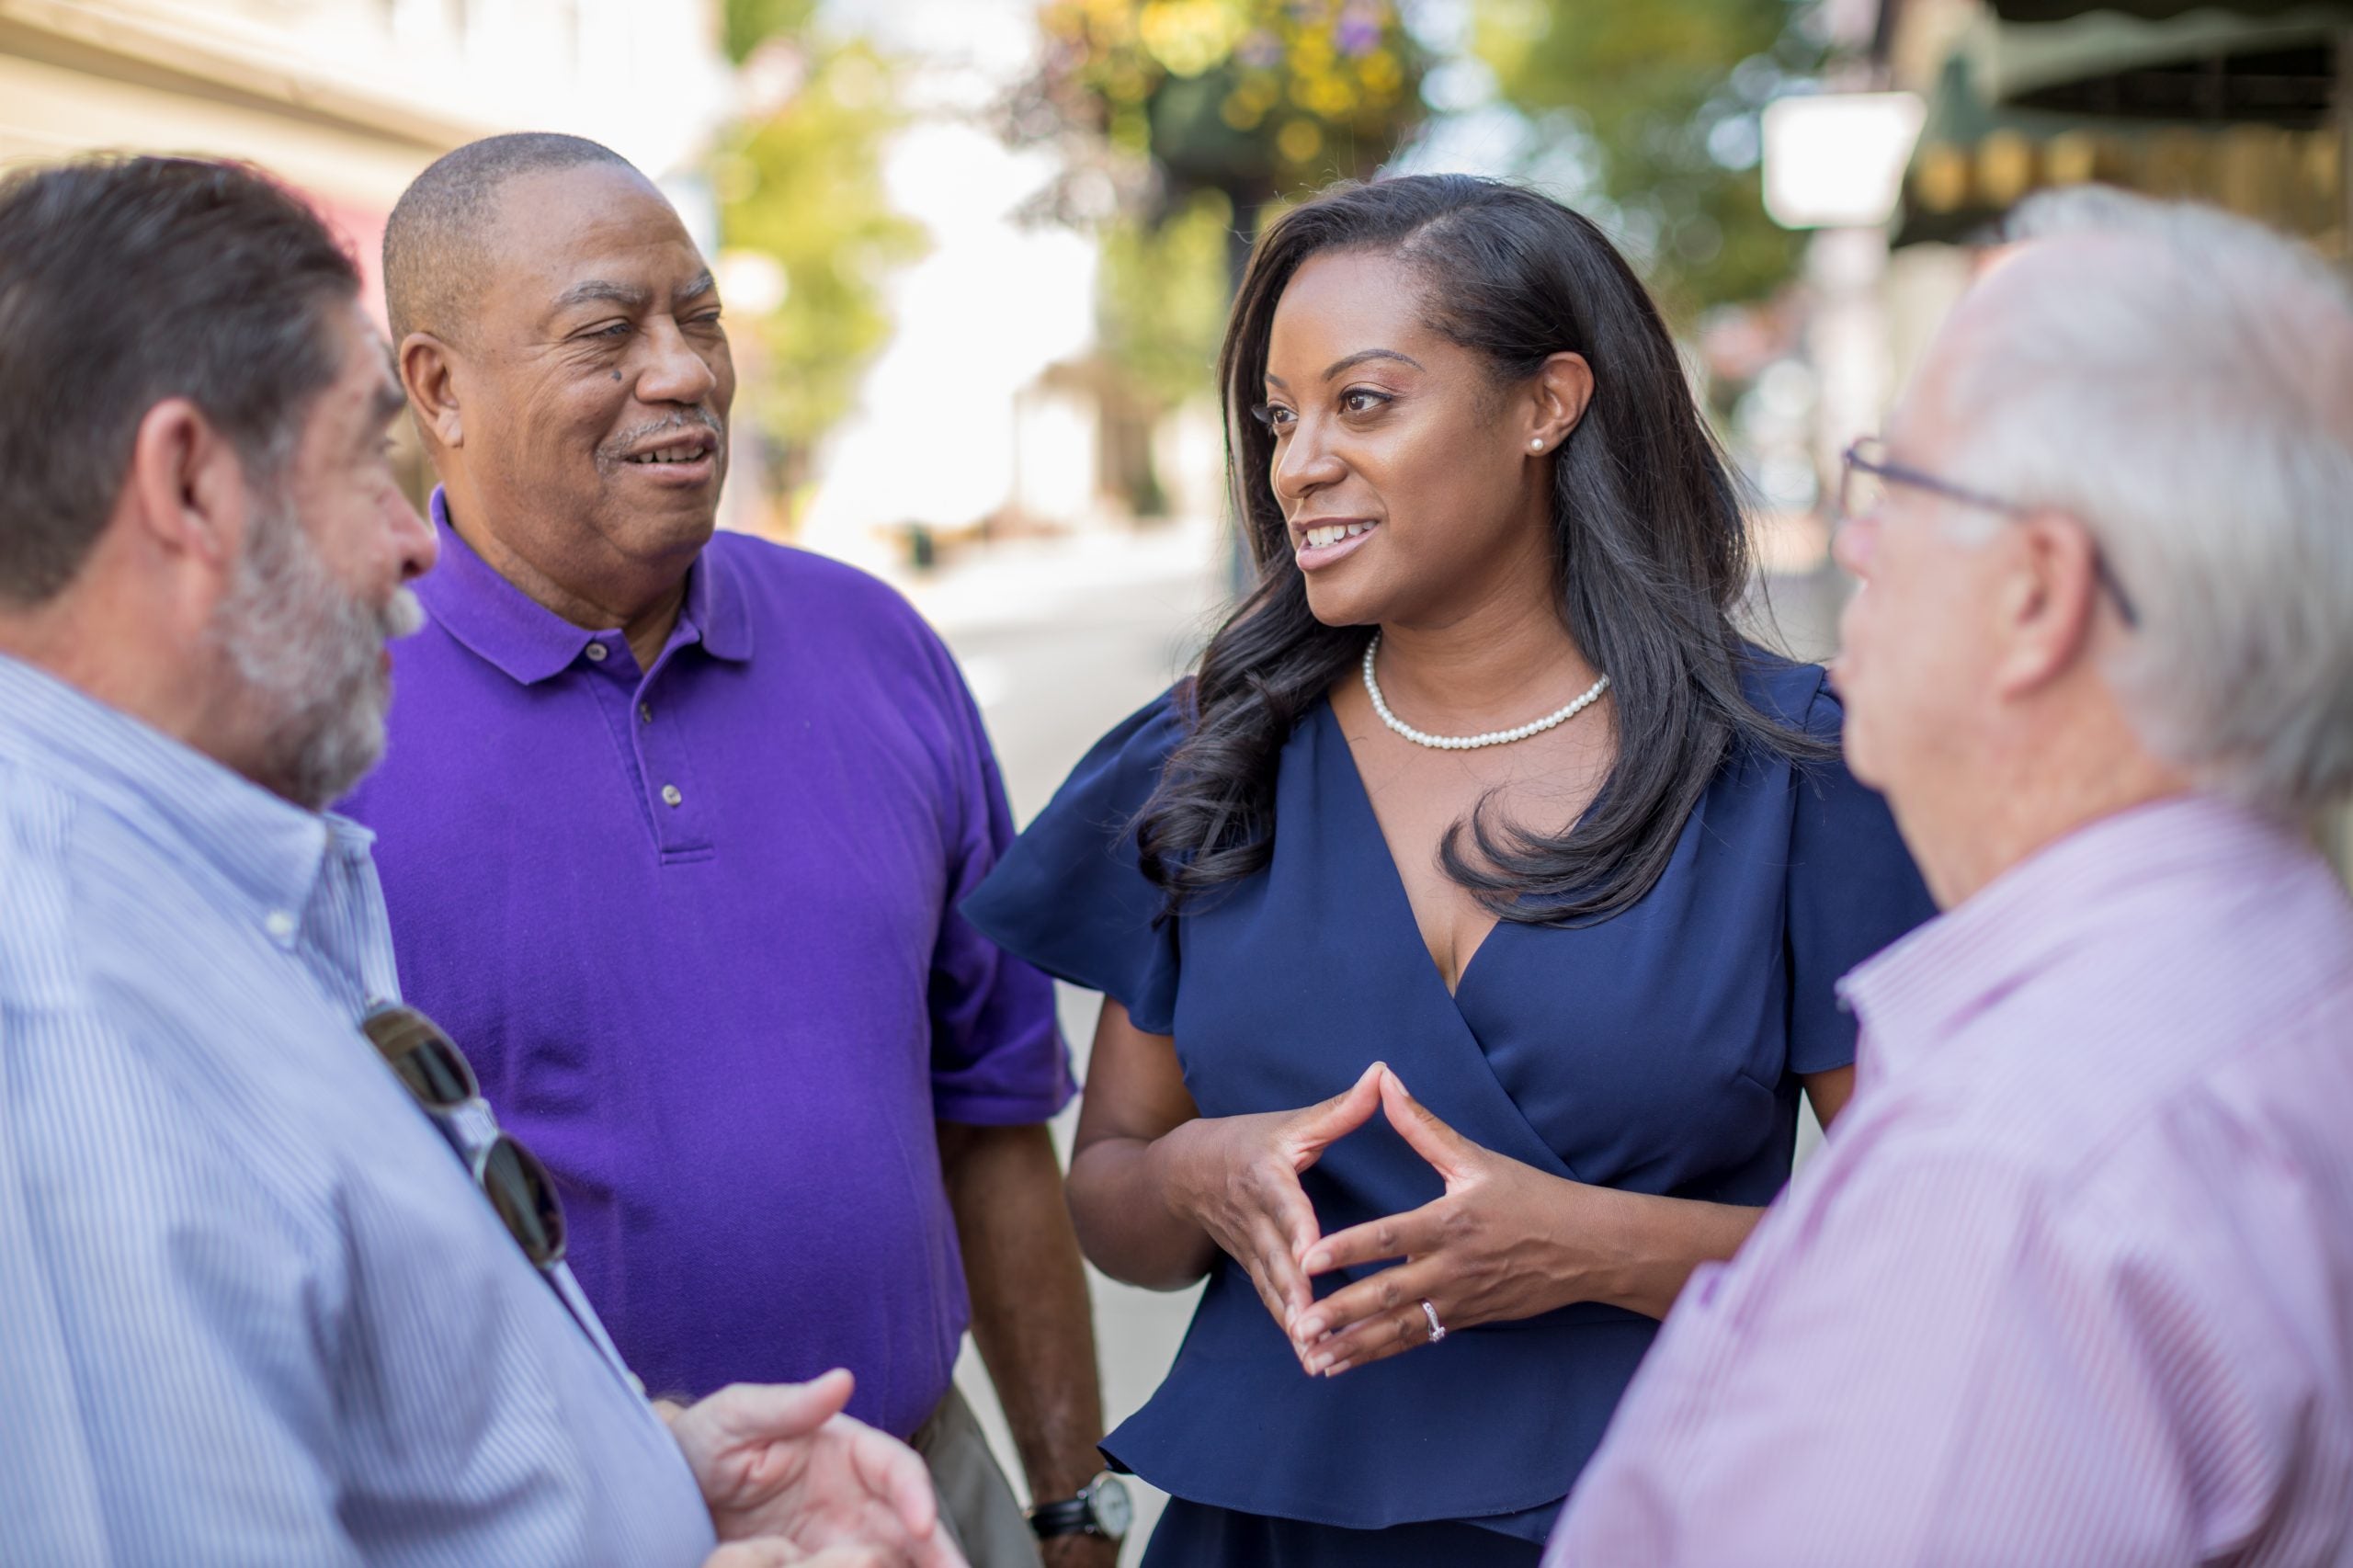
(778, 1462)
(767, 1552)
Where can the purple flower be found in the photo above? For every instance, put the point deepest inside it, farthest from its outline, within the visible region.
(1359, 31)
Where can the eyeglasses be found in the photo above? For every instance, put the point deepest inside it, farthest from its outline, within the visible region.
(1865, 474)
(437, 1073)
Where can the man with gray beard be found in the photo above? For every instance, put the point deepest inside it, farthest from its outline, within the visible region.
(274, 1288)
(312, 651)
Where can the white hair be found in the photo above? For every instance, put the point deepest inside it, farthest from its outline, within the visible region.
(2180, 380)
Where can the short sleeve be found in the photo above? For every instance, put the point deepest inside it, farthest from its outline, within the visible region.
(1070, 895)
(1852, 891)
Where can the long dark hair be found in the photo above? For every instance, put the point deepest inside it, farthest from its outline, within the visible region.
(1649, 549)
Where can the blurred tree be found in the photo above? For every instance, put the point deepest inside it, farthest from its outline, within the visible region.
(1183, 124)
(799, 181)
(1161, 296)
(1655, 103)
(751, 23)
(1253, 99)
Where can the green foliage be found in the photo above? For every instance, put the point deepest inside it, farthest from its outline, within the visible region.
(804, 185)
(1162, 297)
(1643, 83)
(750, 23)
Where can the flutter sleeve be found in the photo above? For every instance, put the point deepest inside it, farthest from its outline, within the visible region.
(1070, 897)
(1852, 891)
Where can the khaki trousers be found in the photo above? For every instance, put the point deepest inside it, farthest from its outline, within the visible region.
(976, 1502)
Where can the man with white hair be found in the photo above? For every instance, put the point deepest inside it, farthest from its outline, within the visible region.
(2073, 1283)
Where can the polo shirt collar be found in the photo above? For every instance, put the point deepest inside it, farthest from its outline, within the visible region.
(716, 608)
(2026, 921)
(502, 624)
(269, 849)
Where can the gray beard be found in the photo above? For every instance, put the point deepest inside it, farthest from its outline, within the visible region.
(309, 654)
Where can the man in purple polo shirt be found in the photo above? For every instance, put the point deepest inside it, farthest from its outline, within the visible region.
(672, 829)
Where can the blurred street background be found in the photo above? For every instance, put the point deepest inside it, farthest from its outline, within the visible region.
(976, 254)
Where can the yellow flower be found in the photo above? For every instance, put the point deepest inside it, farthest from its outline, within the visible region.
(1188, 37)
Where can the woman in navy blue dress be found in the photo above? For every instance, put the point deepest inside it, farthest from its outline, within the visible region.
(1467, 926)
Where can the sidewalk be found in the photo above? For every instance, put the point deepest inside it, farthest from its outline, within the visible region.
(1059, 639)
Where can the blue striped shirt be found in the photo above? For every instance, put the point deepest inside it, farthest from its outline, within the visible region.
(252, 1308)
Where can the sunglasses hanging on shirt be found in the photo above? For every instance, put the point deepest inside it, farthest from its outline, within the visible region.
(437, 1073)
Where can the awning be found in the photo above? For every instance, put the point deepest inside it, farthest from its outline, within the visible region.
(2060, 10)
(1977, 158)
(2275, 67)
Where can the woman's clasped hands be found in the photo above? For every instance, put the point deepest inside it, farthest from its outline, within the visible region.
(1237, 1178)
(1505, 1241)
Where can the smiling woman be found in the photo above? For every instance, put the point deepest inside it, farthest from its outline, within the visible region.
(1478, 792)
(1630, 529)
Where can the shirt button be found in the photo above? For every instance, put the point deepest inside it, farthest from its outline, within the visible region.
(280, 925)
(597, 651)
(645, 712)
(670, 795)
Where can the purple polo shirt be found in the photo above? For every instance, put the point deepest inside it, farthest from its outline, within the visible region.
(696, 927)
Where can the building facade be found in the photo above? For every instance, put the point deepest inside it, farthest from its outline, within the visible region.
(349, 99)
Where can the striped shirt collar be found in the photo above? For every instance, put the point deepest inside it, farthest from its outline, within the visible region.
(1921, 991)
(268, 849)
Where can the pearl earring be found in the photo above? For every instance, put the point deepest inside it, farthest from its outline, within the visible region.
(1537, 445)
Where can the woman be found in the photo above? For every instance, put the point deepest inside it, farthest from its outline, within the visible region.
(1482, 783)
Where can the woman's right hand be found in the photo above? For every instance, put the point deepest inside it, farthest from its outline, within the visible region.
(1237, 1178)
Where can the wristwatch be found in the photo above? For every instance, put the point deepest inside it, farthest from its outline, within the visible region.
(1102, 1507)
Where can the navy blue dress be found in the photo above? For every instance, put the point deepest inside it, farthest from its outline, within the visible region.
(1658, 1051)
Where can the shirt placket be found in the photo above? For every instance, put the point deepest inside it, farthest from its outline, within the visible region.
(657, 749)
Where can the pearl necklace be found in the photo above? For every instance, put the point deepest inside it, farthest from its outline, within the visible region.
(1471, 743)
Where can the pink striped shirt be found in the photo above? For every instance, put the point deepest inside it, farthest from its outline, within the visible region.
(2072, 1282)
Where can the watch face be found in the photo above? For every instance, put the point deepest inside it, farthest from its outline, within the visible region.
(1114, 1511)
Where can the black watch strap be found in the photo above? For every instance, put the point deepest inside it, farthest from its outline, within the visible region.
(1072, 1516)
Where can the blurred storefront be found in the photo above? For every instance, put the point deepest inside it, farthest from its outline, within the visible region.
(347, 99)
(2239, 103)
(2246, 104)
(1945, 114)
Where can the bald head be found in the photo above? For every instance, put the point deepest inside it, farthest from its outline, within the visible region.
(562, 354)
(441, 237)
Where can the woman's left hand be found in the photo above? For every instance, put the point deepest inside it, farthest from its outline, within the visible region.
(1506, 1240)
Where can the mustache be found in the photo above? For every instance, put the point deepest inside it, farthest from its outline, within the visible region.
(699, 418)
